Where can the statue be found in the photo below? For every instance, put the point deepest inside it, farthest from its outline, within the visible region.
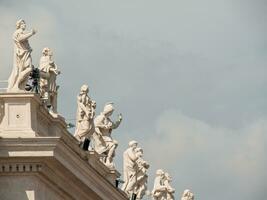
(170, 190)
(85, 115)
(22, 64)
(48, 74)
(130, 168)
(103, 142)
(142, 167)
(159, 191)
(187, 195)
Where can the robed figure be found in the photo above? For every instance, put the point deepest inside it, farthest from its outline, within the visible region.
(22, 64)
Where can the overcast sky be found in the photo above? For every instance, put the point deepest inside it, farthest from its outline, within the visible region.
(188, 76)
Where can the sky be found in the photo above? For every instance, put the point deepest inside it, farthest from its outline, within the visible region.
(188, 76)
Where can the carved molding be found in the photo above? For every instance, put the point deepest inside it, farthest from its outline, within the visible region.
(20, 167)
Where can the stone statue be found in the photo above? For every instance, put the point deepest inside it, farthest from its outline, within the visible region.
(130, 168)
(85, 115)
(103, 142)
(187, 195)
(22, 64)
(170, 190)
(48, 74)
(159, 191)
(142, 167)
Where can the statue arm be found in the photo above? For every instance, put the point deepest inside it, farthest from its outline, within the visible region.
(99, 122)
(132, 156)
(24, 36)
(83, 108)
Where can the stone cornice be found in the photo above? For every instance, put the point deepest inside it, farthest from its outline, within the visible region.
(59, 155)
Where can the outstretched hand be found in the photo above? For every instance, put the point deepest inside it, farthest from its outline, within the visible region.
(34, 31)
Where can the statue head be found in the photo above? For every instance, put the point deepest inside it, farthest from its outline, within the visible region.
(160, 173)
(21, 24)
(139, 151)
(94, 104)
(186, 193)
(84, 89)
(167, 176)
(45, 51)
(133, 144)
(108, 109)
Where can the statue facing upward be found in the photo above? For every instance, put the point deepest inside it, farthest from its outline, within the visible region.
(103, 142)
(22, 64)
(48, 74)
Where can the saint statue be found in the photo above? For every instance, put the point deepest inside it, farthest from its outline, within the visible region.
(159, 191)
(85, 115)
(142, 167)
(130, 168)
(170, 190)
(22, 64)
(187, 195)
(48, 74)
(103, 142)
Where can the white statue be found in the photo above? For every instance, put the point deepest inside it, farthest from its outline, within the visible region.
(159, 191)
(48, 74)
(22, 64)
(130, 168)
(103, 142)
(187, 195)
(170, 190)
(85, 115)
(142, 167)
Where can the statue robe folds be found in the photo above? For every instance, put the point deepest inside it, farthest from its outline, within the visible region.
(130, 168)
(22, 64)
(84, 118)
(141, 182)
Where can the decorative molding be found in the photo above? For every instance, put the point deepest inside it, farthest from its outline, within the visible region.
(20, 167)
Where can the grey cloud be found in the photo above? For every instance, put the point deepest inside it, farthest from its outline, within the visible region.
(205, 58)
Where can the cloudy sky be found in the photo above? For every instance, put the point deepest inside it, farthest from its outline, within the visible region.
(188, 76)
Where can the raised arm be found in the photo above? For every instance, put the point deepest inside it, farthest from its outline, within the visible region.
(24, 36)
(117, 123)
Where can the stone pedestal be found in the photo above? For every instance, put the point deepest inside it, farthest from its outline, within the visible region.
(41, 160)
(23, 115)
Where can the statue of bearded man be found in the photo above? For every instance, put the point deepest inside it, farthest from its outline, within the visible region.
(103, 142)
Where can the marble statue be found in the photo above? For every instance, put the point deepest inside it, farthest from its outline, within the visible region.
(103, 142)
(22, 64)
(130, 168)
(187, 195)
(159, 191)
(48, 74)
(142, 167)
(85, 115)
(170, 190)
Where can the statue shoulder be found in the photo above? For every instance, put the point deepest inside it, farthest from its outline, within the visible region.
(16, 34)
(99, 118)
